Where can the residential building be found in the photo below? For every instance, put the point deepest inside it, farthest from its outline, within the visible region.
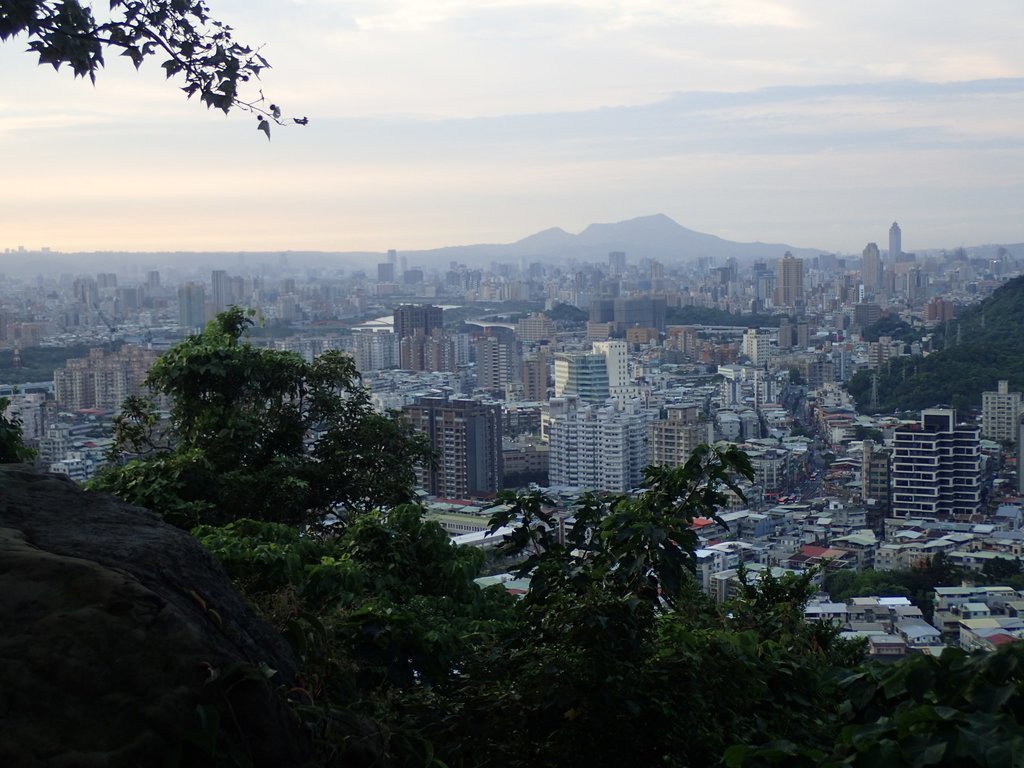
(465, 436)
(1000, 413)
(410, 318)
(675, 437)
(936, 467)
(596, 447)
(104, 379)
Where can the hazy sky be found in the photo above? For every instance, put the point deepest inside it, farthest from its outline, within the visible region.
(441, 122)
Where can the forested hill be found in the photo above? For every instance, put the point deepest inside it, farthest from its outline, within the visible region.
(985, 344)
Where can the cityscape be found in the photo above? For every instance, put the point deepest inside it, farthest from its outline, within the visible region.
(574, 377)
(490, 384)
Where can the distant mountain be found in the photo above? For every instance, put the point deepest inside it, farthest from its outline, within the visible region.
(976, 350)
(657, 237)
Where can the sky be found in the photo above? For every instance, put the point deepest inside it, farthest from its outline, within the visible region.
(448, 122)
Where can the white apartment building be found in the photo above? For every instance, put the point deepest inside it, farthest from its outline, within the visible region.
(1000, 413)
(597, 447)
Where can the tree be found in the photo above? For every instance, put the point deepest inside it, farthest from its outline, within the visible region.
(12, 447)
(193, 45)
(258, 433)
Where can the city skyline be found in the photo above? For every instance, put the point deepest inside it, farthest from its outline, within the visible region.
(483, 122)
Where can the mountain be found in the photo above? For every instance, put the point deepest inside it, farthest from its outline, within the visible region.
(975, 351)
(656, 237)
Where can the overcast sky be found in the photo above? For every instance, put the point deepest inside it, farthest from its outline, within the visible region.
(443, 122)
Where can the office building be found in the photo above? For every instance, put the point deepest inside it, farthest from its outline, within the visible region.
(871, 268)
(789, 285)
(936, 467)
(895, 243)
(465, 436)
(1000, 413)
(582, 375)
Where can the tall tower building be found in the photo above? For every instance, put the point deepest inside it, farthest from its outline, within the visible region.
(221, 282)
(616, 361)
(895, 243)
(789, 285)
(192, 306)
(936, 467)
(871, 268)
(465, 436)
(412, 317)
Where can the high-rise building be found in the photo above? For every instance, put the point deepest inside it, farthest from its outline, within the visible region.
(789, 285)
(874, 473)
(536, 327)
(535, 375)
(1000, 412)
(192, 306)
(495, 361)
(221, 283)
(412, 317)
(757, 347)
(386, 272)
(675, 437)
(617, 262)
(596, 447)
(936, 467)
(871, 268)
(435, 351)
(103, 379)
(616, 361)
(375, 350)
(465, 436)
(582, 375)
(895, 243)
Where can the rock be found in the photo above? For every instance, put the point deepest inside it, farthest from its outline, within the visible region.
(123, 642)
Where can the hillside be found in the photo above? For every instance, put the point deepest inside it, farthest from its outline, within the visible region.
(984, 345)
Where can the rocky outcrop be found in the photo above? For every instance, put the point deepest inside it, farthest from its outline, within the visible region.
(122, 641)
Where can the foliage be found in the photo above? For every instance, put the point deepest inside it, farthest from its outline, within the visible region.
(258, 433)
(958, 709)
(567, 313)
(196, 47)
(37, 363)
(375, 611)
(918, 583)
(860, 432)
(984, 345)
(12, 447)
(712, 316)
(894, 327)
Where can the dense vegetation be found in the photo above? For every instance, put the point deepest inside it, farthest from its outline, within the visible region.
(712, 316)
(892, 326)
(982, 346)
(37, 363)
(614, 656)
(568, 314)
(258, 433)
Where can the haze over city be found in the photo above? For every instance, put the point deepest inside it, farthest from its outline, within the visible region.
(788, 122)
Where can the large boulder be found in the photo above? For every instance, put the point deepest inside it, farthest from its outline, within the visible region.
(123, 642)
